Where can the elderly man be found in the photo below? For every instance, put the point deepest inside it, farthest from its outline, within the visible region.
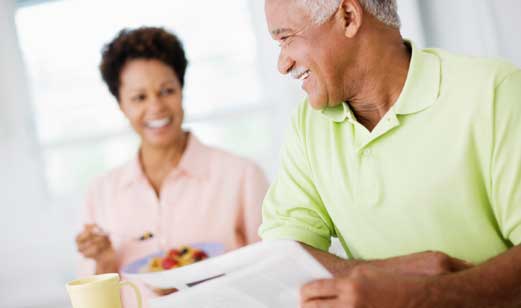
(397, 151)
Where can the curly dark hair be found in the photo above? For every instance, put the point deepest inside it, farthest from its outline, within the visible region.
(141, 43)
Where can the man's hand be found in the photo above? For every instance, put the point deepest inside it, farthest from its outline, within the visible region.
(494, 283)
(428, 263)
(366, 287)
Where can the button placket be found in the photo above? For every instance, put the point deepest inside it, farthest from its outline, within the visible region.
(370, 186)
(161, 223)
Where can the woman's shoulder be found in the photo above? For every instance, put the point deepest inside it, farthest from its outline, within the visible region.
(115, 177)
(221, 161)
(223, 158)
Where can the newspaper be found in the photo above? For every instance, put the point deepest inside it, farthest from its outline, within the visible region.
(263, 275)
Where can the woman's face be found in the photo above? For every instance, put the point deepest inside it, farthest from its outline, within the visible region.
(150, 96)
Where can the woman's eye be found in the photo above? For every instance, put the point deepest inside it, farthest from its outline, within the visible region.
(167, 91)
(139, 98)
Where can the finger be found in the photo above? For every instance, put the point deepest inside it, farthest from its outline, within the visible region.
(94, 244)
(164, 292)
(83, 237)
(100, 242)
(325, 303)
(88, 231)
(89, 250)
(96, 229)
(323, 288)
(458, 265)
(89, 227)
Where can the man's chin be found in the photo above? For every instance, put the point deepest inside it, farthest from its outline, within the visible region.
(320, 103)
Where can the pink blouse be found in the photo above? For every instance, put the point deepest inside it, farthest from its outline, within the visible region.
(211, 196)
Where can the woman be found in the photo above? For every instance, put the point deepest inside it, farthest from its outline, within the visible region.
(177, 190)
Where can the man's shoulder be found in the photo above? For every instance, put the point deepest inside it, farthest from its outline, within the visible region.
(477, 70)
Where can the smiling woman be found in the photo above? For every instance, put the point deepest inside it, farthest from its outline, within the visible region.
(177, 188)
(145, 71)
(81, 133)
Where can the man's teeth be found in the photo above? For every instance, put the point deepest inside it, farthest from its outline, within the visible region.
(158, 123)
(304, 76)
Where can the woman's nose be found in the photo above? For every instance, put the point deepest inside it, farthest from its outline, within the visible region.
(156, 103)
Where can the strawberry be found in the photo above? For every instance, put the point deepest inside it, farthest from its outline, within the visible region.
(169, 263)
(200, 255)
(173, 253)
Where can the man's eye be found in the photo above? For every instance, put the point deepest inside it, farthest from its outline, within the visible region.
(284, 40)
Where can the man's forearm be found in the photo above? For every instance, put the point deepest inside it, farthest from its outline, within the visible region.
(494, 284)
(337, 266)
(424, 263)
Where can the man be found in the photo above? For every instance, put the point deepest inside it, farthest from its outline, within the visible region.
(397, 151)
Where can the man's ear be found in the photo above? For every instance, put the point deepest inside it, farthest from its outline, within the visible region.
(352, 14)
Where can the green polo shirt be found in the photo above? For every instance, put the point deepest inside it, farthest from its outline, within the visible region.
(441, 170)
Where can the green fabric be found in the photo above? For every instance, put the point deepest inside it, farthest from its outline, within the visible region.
(441, 171)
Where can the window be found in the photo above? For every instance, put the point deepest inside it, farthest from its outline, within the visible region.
(80, 128)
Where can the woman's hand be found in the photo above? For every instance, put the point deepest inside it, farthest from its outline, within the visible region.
(162, 292)
(94, 244)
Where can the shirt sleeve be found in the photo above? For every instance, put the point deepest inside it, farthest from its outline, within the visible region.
(87, 267)
(506, 157)
(293, 208)
(254, 187)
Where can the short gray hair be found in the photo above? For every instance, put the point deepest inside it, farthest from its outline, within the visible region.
(385, 11)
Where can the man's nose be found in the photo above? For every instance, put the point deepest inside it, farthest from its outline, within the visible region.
(285, 63)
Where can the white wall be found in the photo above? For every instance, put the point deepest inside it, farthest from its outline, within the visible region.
(475, 27)
(278, 89)
(32, 270)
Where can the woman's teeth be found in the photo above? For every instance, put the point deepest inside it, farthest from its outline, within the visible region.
(158, 123)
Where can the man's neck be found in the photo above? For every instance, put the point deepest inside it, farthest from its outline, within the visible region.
(383, 76)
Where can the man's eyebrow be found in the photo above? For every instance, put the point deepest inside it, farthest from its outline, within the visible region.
(280, 31)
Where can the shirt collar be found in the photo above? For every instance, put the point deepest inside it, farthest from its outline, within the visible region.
(192, 164)
(194, 159)
(421, 89)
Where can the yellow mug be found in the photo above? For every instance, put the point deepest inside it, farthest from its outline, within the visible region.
(99, 291)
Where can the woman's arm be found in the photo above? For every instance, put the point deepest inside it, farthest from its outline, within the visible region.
(254, 188)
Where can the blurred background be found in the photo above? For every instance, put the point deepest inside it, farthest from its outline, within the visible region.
(59, 126)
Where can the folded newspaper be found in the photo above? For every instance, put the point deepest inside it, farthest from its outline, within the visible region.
(264, 275)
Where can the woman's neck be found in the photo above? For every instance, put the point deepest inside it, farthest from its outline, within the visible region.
(158, 162)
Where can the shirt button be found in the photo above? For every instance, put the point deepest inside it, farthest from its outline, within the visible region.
(366, 153)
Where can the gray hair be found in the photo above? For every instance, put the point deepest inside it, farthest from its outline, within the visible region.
(385, 11)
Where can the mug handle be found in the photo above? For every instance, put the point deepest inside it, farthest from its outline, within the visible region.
(136, 290)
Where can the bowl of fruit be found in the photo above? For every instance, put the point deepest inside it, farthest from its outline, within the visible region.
(174, 258)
